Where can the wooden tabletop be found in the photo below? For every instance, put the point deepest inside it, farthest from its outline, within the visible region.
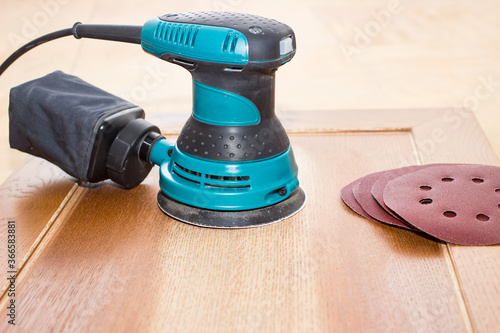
(103, 259)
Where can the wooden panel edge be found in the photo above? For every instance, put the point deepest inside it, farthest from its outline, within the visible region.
(323, 121)
(24, 264)
(453, 128)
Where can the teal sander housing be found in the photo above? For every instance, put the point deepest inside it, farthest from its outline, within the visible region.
(232, 165)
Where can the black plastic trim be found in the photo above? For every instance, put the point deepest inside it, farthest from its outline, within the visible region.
(106, 130)
(233, 143)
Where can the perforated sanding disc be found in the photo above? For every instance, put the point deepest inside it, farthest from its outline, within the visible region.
(459, 204)
(350, 201)
(377, 189)
(362, 192)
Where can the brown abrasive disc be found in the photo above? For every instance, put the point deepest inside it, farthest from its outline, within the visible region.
(385, 177)
(350, 201)
(363, 195)
(458, 204)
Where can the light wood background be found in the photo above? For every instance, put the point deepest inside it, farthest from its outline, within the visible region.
(429, 54)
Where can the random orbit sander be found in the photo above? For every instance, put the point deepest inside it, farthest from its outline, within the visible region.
(232, 166)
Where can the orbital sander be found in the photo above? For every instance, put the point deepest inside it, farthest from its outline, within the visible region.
(232, 165)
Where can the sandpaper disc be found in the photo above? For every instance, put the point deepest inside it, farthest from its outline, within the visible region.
(459, 204)
(233, 219)
(362, 193)
(377, 189)
(348, 198)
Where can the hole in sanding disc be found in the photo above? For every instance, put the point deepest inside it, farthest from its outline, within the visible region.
(478, 180)
(497, 190)
(447, 179)
(426, 201)
(482, 217)
(425, 187)
(449, 213)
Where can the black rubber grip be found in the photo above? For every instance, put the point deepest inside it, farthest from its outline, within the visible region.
(118, 33)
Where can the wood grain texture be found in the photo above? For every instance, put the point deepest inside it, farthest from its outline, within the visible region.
(114, 262)
(274, 278)
(32, 197)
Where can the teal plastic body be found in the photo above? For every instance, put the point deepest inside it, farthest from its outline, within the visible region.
(211, 44)
(228, 186)
(194, 41)
(220, 107)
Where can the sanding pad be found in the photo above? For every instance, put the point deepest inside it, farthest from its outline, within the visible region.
(233, 219)
(459, 204)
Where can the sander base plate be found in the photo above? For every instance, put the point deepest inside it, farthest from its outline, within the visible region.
(233, 219)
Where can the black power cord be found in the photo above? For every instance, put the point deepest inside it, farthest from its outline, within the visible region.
(119, 33)
(34, 43)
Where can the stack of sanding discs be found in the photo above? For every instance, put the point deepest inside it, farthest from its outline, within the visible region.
(455, 203)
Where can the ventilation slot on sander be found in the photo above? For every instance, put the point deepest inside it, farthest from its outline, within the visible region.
(222, 182)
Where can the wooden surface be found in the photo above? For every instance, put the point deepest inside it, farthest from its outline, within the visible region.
(428, 54)
(103, 259)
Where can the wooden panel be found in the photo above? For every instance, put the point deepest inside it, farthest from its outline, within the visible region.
(373, 277)
(113, 262)
(477, 269)
(466, 276)
(32, 197)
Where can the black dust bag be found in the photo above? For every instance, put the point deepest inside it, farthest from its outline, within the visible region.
(57, 117)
